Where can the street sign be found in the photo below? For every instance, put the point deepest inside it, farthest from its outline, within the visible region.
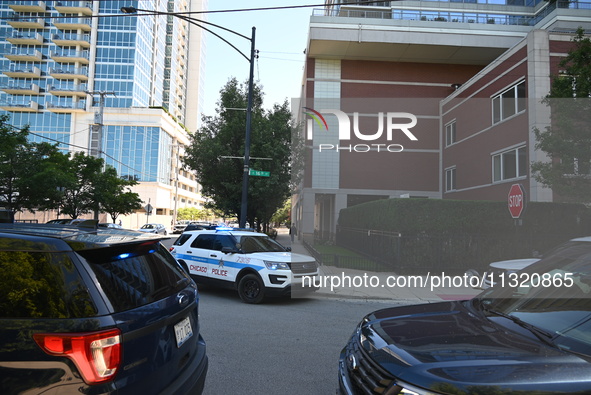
(148, 209)
(516, 200)
(258, 173)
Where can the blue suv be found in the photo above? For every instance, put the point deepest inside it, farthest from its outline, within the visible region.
(95, 311)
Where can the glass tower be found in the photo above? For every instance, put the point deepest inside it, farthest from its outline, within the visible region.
(68, 67)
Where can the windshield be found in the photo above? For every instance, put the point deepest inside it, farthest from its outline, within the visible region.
(553, 295)
(250, 244)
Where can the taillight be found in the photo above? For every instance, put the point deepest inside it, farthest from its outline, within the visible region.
(96, 354)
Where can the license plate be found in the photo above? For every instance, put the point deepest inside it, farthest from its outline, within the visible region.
(183, 331)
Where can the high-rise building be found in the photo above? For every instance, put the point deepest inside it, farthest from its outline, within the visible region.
(429, 99)
(120, 86)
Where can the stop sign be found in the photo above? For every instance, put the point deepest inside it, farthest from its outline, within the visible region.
(516, 200)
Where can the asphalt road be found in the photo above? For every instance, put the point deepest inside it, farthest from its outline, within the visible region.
(282, 346)
(279, 347)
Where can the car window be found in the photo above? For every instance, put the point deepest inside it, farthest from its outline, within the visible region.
(181, 239)
(138, 280)
(42, 285)
(250, 244)
(222, 241)
(204, 241)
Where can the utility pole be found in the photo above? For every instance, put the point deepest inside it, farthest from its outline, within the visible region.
(96, 134)
(176, 186)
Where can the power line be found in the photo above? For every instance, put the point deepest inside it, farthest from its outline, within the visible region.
(185, 13)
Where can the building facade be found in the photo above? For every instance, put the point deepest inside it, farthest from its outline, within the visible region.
(122, 87)
(470, 75)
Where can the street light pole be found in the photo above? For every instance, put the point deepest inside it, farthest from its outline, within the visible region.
(197, 22)
(244, 202)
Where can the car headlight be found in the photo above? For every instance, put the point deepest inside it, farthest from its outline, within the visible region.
(276, 265)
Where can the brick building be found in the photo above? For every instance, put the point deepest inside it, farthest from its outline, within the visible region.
(471, 74)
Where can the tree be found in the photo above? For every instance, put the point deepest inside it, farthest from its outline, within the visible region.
(283, 213)
(190, 214)
(114, 195)
(78, 189)
(223, 135)
(29, 172)
(567, 141)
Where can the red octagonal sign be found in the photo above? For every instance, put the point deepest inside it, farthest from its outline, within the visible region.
(516, 200)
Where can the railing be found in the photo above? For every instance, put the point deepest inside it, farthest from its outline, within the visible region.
(71, 37)
(66, 106)
(71, 54)
(18, 51)
(436, 15)
(73, 21)
(75, 3)
(73, 71)
(68, 87)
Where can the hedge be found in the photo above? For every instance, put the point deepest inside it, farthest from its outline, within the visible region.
(413, 235)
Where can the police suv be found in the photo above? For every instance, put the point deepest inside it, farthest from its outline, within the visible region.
(253, 263)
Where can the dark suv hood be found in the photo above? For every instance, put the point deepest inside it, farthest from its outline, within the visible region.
(450, 348)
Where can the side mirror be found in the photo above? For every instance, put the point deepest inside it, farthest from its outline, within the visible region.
(228, 250)
(288, 249)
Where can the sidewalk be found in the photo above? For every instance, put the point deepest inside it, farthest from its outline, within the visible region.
(349, 283)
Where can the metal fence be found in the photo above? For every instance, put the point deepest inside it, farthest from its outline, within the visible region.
(450, 253)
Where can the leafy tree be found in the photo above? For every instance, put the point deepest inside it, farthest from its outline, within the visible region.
(29, 171)
(282, 214)
(114, 195)
(78, 189)
(271, 140)
(191, 214)
(223, 135)
(567, 141)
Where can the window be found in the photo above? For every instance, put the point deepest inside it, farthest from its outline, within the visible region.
(136, 281)
(222, 241)
(509, 164)
(42, 285)
(450, 179)
(509, 103)
(450, 133)
(204, 241)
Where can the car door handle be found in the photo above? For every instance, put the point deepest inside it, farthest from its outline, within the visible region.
(189, 252)
(213, 256)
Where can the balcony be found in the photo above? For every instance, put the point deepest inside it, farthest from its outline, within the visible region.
(70, 40)
(66, 107)
(22, 38)
(73, 23)
(74, 7)
(22, 72)
(71, 56)
(68, 90)
(23, 89)
(27, 6)
(65, 73)
(25, 106)
(24, 55)
(20, 22)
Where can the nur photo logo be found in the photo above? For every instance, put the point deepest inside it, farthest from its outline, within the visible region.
(388, 123)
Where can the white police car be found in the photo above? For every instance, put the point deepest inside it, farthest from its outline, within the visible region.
(253, 263)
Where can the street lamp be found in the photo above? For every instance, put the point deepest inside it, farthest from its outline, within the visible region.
(198, 22)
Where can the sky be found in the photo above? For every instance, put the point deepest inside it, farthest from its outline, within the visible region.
(280, 36)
